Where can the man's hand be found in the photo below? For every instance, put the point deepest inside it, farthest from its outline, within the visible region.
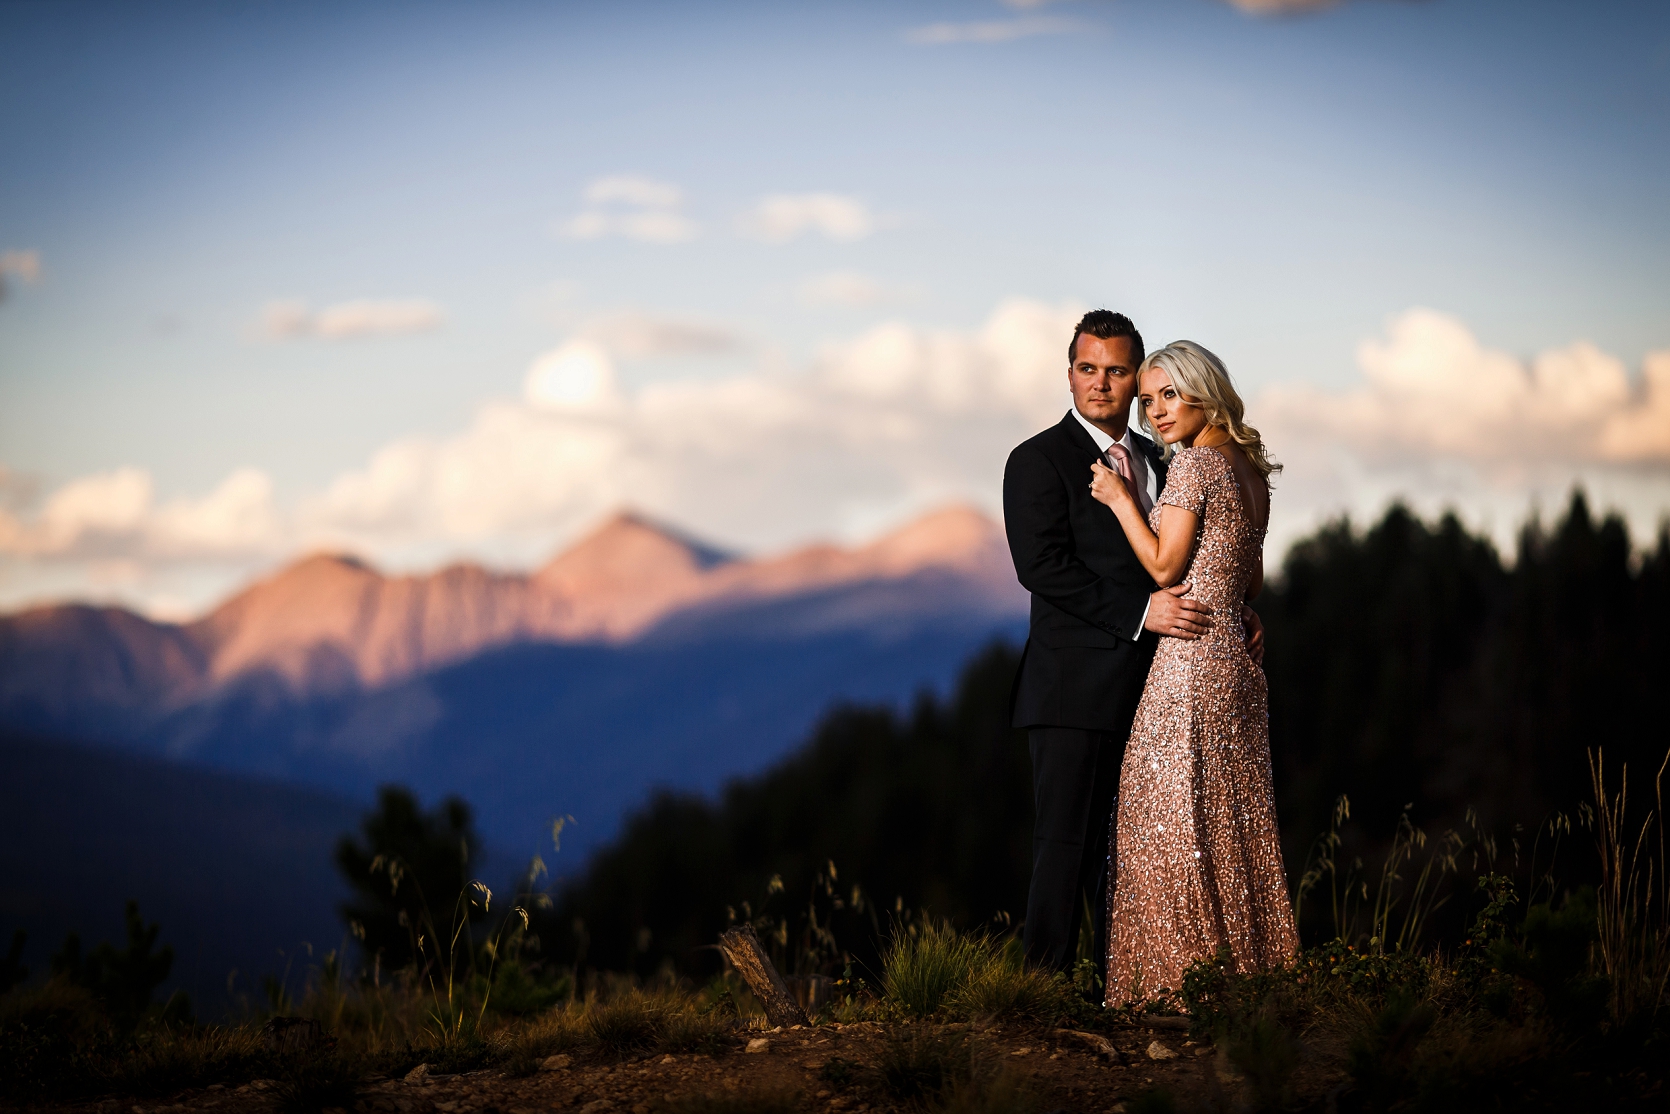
(1255, 634)
(1172, 615)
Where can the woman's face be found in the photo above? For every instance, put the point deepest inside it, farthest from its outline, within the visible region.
(1172, 416)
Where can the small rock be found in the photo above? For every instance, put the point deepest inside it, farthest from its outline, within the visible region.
(215, 1087)
(758, 1044)
(1096, 1041)
(641, 1108)
(1158, 1051)
(597, 1106)
(1203, 1051)
(418, 1074)
(262, 1084)
(555, 1063)
(1020, 1052)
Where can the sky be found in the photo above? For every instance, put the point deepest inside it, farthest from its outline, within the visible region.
(429, 282)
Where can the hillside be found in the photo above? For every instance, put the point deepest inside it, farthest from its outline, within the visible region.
(638, 658)
(236, 870)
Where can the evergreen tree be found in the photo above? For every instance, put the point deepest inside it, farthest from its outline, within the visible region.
(1408, 665)
(411, 876)
(123, 981)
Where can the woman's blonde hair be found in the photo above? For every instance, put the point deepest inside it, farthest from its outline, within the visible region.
(1203, 380)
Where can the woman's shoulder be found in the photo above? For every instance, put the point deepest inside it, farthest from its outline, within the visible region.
(1199, 458)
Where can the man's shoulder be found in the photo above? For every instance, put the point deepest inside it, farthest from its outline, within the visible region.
(1047, 442)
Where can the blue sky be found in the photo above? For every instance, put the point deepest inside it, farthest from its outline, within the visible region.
(277, 273)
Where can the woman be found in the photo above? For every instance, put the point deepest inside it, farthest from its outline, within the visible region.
(1198, 856)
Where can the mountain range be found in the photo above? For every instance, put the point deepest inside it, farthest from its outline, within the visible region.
(637, 659)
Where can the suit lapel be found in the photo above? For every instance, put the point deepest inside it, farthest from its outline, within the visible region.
(1077, 435)
(1151, 453)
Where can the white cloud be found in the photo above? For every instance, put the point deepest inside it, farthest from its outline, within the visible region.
(1443, 422)
(1282, 7)
(115, 515)
(638, 335)
(633, 190)
(632, 206)
(23, 265)
(365, 317)
(894, 421)
(1431, 389)
(852, 289)
(875, 429)
(992, 30)
(782, 217)
(578, 376)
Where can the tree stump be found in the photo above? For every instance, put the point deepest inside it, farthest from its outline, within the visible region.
(742, 947)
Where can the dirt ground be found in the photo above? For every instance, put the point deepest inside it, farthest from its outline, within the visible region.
(1065, 1071)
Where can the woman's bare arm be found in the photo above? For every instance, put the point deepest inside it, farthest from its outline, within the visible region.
(1166, 555)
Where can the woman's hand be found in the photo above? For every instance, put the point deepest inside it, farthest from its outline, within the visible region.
(1108, 487)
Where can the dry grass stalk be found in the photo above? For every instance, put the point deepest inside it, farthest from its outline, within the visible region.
(1633, 900)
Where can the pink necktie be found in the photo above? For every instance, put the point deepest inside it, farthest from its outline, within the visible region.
(1119, 458)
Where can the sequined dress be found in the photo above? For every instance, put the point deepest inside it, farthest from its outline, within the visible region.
(1199, 861)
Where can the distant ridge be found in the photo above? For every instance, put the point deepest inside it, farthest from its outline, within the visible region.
(330, 624)
(636, 658)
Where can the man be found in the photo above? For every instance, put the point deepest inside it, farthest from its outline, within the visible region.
(1096, 620)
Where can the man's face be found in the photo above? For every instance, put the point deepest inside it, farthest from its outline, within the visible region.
(1104, 381)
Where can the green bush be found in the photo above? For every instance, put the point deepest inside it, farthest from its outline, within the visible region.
(931, 969)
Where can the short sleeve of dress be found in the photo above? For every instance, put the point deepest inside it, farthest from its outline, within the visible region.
(1187, 480)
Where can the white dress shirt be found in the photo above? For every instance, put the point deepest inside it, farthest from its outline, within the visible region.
(1103, 443)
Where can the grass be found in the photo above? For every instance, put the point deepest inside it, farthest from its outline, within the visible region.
(56, 1044)
(935, 1069)
(932, 970)
(1554, 1004)
(1558, 1002)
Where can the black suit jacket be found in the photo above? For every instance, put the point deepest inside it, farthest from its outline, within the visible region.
(1086, 656)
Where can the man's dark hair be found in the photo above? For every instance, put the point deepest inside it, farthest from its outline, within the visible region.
(1106, 325)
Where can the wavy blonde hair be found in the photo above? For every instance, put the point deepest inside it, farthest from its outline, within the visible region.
(1203, 381)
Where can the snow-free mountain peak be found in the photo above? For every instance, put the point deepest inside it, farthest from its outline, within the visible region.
(330, 623)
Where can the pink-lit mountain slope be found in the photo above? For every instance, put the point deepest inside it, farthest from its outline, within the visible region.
(329, 624)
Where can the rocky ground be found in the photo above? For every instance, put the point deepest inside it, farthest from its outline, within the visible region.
(828, 1067)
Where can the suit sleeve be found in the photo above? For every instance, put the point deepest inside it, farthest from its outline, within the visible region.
(1035, 517)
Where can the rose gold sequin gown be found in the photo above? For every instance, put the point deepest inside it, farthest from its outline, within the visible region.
(1199, 862)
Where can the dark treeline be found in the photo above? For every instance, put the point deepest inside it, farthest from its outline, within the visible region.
(929, 809)
(1408, 665)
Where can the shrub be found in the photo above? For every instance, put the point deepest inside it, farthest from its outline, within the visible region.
(923, 1064)
(927, 964)
(932, 969)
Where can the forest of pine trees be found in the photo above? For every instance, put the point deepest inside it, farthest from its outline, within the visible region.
(1409, 665)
